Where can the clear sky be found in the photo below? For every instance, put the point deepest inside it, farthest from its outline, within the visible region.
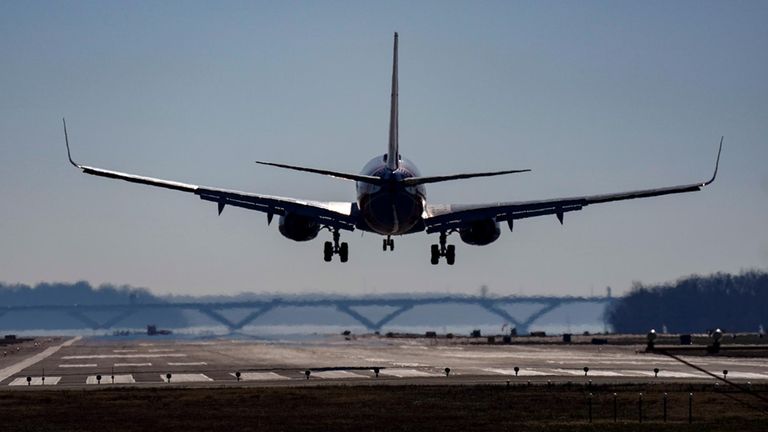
(593, 96)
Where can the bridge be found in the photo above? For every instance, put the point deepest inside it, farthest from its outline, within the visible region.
(352, 307)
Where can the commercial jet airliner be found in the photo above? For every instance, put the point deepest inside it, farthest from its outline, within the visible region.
(391, 201)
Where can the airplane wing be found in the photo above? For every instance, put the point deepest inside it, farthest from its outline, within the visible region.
(342, 215)
(441, 218)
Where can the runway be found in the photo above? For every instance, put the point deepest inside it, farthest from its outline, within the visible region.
(94, 362)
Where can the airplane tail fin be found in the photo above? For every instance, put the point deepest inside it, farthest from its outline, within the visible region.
(393, 153)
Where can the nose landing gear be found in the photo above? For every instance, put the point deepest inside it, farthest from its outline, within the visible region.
(388, 242)
(330, 249)
(443, 250)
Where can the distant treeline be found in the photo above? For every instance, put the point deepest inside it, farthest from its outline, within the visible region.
(737, 303)
(72, 293)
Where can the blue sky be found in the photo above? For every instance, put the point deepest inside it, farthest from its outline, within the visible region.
(593, 96)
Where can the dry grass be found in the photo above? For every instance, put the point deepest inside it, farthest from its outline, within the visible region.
(375, 408)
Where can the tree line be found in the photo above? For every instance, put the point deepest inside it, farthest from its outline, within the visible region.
(735, 303)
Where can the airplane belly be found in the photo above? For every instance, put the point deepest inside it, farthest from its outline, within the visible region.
(391, 214)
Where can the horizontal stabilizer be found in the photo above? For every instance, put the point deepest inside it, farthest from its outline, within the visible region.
(341, 175)
(414, 181)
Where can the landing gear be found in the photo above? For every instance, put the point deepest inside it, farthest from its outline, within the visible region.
(388, 242)
(443, 250)
(329, 249)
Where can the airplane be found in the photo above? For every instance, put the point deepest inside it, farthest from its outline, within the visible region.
(391, 200)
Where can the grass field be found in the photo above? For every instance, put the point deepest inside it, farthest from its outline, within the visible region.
(383, 408)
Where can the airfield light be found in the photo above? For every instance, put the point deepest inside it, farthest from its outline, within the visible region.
(586, 370)
(651, 336)
(725, 373)
(717, 335)
(447, 371)
(517, 369)
(29, 380)
(237, 375)
(656, 372)
(376, 371)
(98, 379)
(307, 373)
(168, 377)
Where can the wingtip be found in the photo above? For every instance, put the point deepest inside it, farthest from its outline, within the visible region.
(717, 162)
(66, 142)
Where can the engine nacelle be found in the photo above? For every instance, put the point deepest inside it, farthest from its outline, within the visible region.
(298, 228)
(480, 233)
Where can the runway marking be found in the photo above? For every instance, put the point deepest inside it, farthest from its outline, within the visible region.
(36, 381)
(124, 350)
(20, 366)
(260, 376)
(675, 374)
(522, 372)
(132, 364)
(188, 364)
(184, 378)
(78, 365)
(407, 373)
(566, 372)
(120, 356)
(746, 375)
(107, 379)
(161, 350)
(336, 374)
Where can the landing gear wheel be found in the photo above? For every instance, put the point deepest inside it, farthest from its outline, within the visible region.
(443, 250)
(450, 254)
(388, 242)
(344, 252)
(435, 254)
(328, 251)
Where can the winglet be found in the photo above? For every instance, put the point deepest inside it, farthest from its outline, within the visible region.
(66, 141)
(717, 163)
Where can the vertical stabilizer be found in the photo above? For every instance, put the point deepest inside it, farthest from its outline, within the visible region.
(393, 155)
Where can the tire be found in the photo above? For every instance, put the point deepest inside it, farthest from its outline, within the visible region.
(344, 252)
(450, 254)
(391, 244)
(327, 251)
(435, 254)
(384, 245)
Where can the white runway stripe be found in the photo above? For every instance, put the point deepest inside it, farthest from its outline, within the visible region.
(523, 372)
(407, 373)
(156, 350)
(260, 376)
(188, 364)
(132, 364)
(124, 350)
(78, 365)
(336, 374)
(745, 375)
(186, 378)
(107, 379)
(120, 356)
(36, 381)
(20, 366)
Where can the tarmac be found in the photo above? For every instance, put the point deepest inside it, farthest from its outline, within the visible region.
(59, 362)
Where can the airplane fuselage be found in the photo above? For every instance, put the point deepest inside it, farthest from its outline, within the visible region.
(391, 209)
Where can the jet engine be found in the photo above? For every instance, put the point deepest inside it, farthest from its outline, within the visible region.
(480, 233)
(298, 228)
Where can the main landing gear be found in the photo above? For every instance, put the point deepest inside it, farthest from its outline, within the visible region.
(330, 249)
(441, 250)
(388, 242)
